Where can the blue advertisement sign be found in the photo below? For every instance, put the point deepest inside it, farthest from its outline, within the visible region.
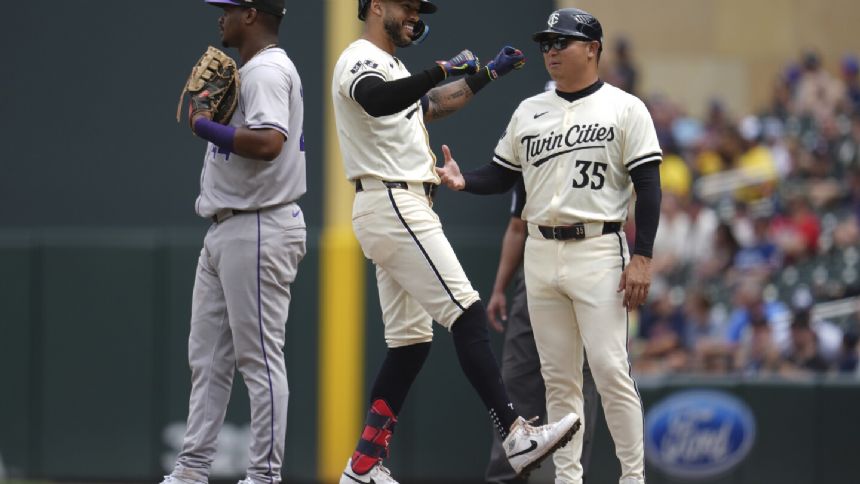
(698, 434)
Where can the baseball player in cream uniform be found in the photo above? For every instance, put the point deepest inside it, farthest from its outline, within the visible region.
(380, 110)
(581, 150)
(253, 175)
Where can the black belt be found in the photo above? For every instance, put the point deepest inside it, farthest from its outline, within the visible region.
(575, 231)
(429, 188)
(230, 212)
(225, 214)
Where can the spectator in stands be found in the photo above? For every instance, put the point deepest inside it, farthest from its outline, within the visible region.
(847, 360)
(722, 257)
(661, 327)
(796, 232)
(761, 257)
(623, 73)
(701, 239)
(803, 354)
(750, 305)
(671, 238)
(851, 77)
(757, 353)
(818, 94)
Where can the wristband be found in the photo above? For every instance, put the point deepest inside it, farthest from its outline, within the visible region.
(477, 81)
(218, 134)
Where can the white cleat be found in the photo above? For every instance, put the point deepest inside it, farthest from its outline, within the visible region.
(377, 475)
(527, 446)
(175, 480)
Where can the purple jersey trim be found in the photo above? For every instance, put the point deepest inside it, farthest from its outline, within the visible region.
(275, 126)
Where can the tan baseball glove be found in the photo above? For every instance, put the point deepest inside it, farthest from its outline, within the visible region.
(213, 85)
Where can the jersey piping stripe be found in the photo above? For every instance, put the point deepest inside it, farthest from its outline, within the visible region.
(360, 77)
(544, 160)
(626, 332)
(507, 166)
(265, 356)
(656, 155)
(423, 251)
(270, 125)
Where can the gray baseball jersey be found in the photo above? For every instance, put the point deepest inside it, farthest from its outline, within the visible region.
(250, 257)
(270, 96)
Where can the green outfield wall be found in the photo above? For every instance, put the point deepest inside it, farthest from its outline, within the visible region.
(93, 350)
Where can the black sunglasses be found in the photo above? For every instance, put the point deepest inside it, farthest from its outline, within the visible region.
(558, 43)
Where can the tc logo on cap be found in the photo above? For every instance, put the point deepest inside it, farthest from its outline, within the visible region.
(553, 19)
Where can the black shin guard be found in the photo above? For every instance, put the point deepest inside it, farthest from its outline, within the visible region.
(472, 342)
(398, 371)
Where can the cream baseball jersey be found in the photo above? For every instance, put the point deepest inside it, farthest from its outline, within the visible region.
(394, 147)
(576, 156)
(270, 97)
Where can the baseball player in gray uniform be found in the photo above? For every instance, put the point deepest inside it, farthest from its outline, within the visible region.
(380, 110)
(253, 174)
(520, 360)
(581, 150)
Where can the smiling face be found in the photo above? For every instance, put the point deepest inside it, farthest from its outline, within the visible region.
(399, 18)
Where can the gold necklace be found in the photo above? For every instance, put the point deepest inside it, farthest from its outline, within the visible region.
(261, 50)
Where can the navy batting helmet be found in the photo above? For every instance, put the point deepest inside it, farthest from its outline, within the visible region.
(571, 22)
(426, 7)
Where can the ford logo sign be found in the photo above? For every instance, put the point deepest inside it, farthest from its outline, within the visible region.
(698, 434)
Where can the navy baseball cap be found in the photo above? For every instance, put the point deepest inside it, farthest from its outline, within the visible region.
(571, 22)
(274, 7)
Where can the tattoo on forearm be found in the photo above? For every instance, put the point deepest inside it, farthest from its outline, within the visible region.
(449, 98)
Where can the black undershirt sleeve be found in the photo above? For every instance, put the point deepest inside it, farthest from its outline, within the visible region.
(646, 182)
(383, 98)
(490, 179)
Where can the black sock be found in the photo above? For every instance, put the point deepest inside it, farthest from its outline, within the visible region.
(472, 342)
(397, 373)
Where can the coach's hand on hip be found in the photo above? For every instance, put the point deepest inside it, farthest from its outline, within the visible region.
(635, 281)
(450, 172)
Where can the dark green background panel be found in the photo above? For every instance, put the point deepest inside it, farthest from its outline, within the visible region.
(98, 361)
(16, 358)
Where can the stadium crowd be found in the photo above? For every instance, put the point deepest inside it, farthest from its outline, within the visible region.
(757, 257)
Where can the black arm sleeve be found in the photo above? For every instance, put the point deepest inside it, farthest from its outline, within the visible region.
(489, 179)
(383, 98)
(646, 181)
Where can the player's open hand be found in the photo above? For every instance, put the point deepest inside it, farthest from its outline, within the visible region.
(635, 282)
(450, 171)
(497, 310)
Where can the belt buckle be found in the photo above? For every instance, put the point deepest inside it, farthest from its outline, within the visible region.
(556, 232)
